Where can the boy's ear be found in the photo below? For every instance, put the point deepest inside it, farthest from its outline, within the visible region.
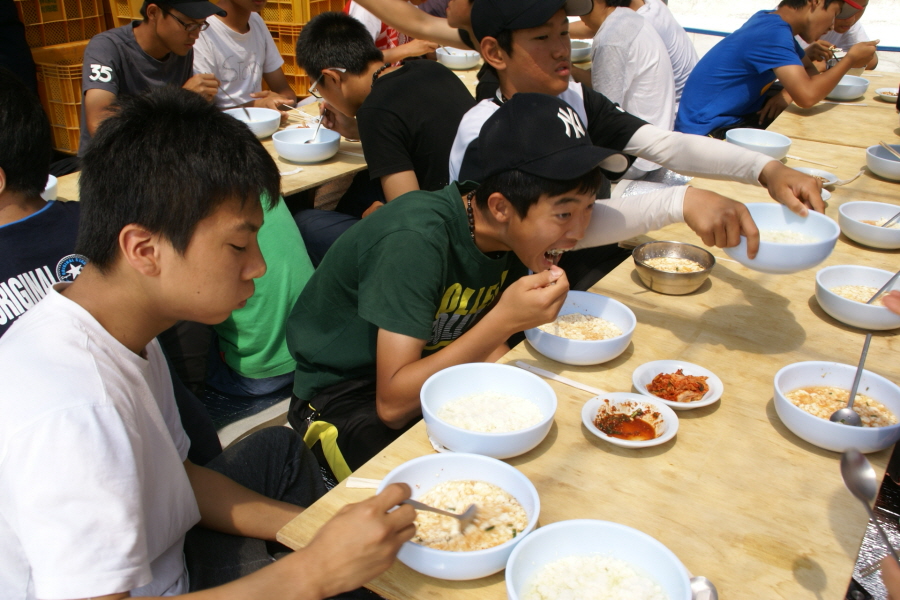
(500, 208)
(2, 181)
(492, 53)
(140, 249)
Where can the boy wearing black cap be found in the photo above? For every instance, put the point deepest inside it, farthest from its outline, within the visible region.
(436, 279)
(731, 86)
(527, 42)
(144, 54)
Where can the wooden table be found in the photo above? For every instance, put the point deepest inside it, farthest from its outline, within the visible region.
(854, 126)
(736, 496)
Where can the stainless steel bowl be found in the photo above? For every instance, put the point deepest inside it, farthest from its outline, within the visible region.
(664, 282)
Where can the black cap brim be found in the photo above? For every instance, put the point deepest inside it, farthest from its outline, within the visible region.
(197, 10)
(850, 8)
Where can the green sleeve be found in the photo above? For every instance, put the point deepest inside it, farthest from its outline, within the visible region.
(400, 283)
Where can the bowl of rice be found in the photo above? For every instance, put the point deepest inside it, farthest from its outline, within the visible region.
(808, 393)
(672, 268)
(455, 58)
(581, 50)
(850, 87)
(843, 290)
(586, 558)
(862, 222)
(508, 510)
(487, 408)
(768, 142)
(788, 242)
(590, 329)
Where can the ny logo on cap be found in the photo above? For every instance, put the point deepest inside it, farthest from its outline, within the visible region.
(573, 123)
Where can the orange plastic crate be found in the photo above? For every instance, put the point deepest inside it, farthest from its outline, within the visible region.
(298, 11)
(124, 12)
(285, 36)
(53, 22)
(59, 87)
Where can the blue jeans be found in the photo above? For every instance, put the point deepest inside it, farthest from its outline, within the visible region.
(231, 383)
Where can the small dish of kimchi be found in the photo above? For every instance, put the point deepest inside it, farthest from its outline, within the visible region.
(681, 385)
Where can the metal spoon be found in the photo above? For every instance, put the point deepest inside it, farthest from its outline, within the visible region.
(859, 477)
(465, 519)
(890, 149)
(238, 105)
(703, 589)
(315, 134)
(892, 220)
(847, 415)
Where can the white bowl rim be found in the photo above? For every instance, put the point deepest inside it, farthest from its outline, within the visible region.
(579, 293)
(538, 381)
(589, 410)
(763, 132)
(824, 270)
(811, 215)
(871, 150)
(579, 524)
(532, 520)
(467, 52)
(716, 387)
(239, 110)
(867, 226)
(830, 364)
(278, 135)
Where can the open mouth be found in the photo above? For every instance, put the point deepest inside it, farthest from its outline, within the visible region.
(553, 256)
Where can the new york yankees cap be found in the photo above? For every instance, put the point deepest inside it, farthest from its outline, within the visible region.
(536, 134)
(490, 17)
(850, 8)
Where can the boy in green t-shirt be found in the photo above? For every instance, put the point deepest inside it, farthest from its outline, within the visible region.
(436, 279)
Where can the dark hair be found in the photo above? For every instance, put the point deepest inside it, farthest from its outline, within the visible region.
(165, 160)
(505, 41)
(523, 189)
(802, 3)
(333, 39)
(618, 3)
(25, 142)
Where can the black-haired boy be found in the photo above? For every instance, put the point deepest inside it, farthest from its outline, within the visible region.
(98, 497)
(731, 86)
(157, 51)
(436, 279)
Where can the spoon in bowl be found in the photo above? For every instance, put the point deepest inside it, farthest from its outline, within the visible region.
(859, 477)
(465, 519)
(847, 415)
(892, 220)
(703, 589)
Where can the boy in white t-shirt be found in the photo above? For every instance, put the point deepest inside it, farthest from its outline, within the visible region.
(238, 49)
(97, 498)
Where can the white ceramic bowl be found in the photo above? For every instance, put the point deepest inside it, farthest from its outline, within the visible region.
(850, 87)
(883, 163)
(887, 94)
(830, 178)
(289, 144)
(474, 378)
(587, 352)
(644, 375)
(49, 192)
(668, 416)
(263, 121)
(589, 537)
(787, 258)
(454, 58)
(855, 314)
(851, 215)
(425, 472)
(822, 432)
(581, 50)
(768, 142)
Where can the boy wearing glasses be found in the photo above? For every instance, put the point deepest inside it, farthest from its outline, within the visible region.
(131, 59)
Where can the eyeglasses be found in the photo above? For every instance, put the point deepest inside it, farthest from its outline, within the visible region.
(189, 27)
(312, 88)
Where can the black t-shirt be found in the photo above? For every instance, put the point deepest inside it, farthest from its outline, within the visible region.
(37, 252)
(409, 120)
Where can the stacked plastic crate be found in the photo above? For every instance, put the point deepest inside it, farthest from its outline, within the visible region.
(58, 31)
(285, 20)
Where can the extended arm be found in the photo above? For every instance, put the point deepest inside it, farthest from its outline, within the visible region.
(404, 17)
(807, 87)
(96, 107)
(706, 157)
